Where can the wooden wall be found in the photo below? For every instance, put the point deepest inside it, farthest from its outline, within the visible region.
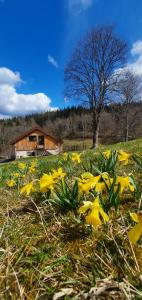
(25, 144)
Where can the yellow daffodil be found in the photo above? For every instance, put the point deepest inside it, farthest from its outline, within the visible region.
(87, 175)
(11, 183)
(86, 205)
(16, 174)
(47, 183)
(85, 185)
(105, 176)
(125, 183)
(28, 188)
(95, 211)
(89, 182)
(22, 166)
(123, 156)
(107, 154)
(65, 155)
(33, 164)
(58, 174)
(76, 157)
(135, 233)
(32, 169)
(100, 187)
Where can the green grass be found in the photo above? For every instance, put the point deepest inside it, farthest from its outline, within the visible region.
(43, 251)
(134, 146)
(76, 144)
(80, 144)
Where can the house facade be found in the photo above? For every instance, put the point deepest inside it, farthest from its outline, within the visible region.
(35, 142)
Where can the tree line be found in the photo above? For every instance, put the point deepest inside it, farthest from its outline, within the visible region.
(76, 123)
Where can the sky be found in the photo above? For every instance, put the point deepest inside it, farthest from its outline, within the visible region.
(37, 38)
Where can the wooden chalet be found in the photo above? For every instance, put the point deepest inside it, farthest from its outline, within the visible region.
(35, 142)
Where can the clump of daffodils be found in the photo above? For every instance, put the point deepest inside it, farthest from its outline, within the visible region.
(101, 182)
(106, 188)
(46, 183)
(122, 156)
(75, 157)
(87, 182)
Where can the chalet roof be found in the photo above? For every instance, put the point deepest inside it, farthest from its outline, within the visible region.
(28, 132)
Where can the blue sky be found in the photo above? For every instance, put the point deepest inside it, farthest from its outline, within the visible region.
(38, 37)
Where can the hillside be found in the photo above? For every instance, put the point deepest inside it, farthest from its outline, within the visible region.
(49, 249)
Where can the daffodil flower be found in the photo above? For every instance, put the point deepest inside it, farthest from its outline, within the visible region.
(107, 154)
(32, 169)
(89, 182)
(33, 164)
(76, 157)
(95, 212)
(135, 233)
(125, 183)
(65, 155)
(28, 188)
(87, 175)
(46, 183)
(11, 183)
(107, 179)
(100, 187)
(16, 174)
(86, 184)
(123, 156)
(22, 166)
(58, 174)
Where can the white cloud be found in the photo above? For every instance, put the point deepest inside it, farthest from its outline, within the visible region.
(9, 77)
(77, 6)
(13, 103)
(53, 61)
(135, 63)
(136, 52)
(137, 48)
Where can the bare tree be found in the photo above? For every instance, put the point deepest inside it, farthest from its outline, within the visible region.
(88, 75)
(130, 90)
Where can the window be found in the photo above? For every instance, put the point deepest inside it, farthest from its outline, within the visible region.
(32, 138)
(41, 139)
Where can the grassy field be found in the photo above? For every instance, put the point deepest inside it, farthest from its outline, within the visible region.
(48, 250)
(80, 144)
(76, 144)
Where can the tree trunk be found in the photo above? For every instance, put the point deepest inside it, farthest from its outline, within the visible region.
(127, 127)
(95, 130)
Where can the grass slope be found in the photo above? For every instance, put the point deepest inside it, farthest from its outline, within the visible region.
(43, 252)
